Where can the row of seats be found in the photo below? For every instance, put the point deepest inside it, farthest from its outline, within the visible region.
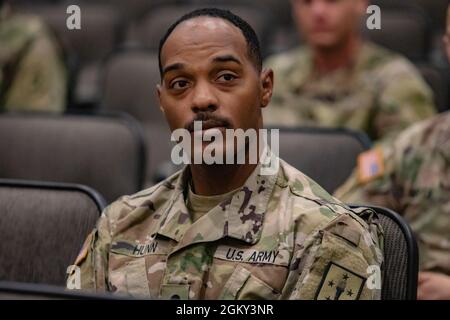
(104, 152)
(107, 151)
(42, 227)
(105, 27)
(281, 9)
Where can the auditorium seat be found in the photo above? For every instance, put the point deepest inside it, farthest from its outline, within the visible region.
(104, 152)
(406, 31)
(436, 11)
(42, 228)
(328, 156)
(129, 85)
(437, 79)
(401, 256)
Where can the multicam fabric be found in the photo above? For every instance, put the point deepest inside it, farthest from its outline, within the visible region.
(277, 237)
(415, 182)
(32, 72)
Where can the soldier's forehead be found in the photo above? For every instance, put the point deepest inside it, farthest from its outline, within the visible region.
(209, 23)
(203, 33)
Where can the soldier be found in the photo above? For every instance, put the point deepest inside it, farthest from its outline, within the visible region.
(340, 80)
(231, 231)
(412, 176)
(32, 72)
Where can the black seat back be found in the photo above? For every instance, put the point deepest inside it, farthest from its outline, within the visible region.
(401, 263)
(104, 152)
(326, 155)
(42, 228)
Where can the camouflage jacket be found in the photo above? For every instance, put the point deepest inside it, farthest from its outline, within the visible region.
(380, 94)
(32, 72)
(280, 236)
(413, 178)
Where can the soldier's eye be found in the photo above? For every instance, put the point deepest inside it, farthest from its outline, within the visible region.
(226, 77)
(179, 84)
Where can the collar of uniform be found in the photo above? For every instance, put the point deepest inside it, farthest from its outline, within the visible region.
(176, 217)
(241, 216)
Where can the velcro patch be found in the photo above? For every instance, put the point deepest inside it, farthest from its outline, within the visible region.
(347, 233)
(139, 250)
(370, 165)
(339, 283)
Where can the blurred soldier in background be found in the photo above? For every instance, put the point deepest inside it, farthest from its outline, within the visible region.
(412, 176)
(340, 80)
(32, 72)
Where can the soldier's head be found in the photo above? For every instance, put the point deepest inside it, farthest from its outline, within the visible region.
(211, 70)
(325, 24)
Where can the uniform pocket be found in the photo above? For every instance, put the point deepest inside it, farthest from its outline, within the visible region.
(130, 278)
(243, 285)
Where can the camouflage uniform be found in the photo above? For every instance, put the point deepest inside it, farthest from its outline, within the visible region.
(32, 73)
(280, 236)
(380, 94)
(414, 180)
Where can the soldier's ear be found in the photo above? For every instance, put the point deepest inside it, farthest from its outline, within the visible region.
(158, 91)
(266, 86)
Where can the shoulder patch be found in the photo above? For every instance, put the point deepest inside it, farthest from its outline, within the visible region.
(370, 165)
(339, 283)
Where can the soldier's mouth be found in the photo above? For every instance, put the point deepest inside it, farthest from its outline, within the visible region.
(209, 125)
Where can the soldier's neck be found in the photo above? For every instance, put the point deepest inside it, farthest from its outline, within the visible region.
(343, 55)
(210, 180)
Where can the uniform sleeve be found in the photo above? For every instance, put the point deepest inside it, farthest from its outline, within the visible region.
(400, 158)
(40, 81)
(90, 269)
(404, 99)
(379, 190)
(340, 262)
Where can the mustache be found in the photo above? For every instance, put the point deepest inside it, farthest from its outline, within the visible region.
(209, 120)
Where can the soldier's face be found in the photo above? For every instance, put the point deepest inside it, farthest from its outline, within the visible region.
(208, 75)
(326, 23)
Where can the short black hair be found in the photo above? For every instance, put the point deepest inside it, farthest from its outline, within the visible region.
(250, 36)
